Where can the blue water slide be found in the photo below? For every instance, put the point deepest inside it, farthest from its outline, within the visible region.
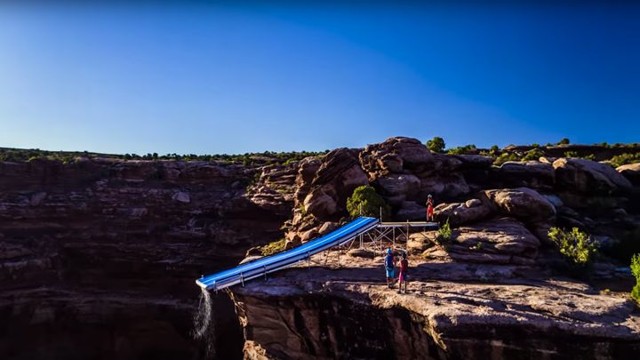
(268, 264)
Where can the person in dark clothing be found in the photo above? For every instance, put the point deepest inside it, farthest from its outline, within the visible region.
(402, 278)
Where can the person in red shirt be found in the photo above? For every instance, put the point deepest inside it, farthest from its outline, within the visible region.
(402, 278)
(429, 208)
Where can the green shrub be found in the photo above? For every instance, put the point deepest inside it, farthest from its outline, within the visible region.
(571, 154)
(273, 247)
(576, 246)
(504, 157)
(365, 201)
(624, 159)
(635, 270)
(460, 150)
(444, 234)
(564, 141)
(533, 154)
(436, 144)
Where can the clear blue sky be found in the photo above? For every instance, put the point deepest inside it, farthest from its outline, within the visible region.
(200, 78)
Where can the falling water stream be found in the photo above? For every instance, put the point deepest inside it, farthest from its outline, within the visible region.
(203, 326)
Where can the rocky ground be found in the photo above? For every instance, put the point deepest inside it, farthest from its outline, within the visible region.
(338, 306)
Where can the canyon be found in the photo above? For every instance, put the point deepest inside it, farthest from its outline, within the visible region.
(98, 258)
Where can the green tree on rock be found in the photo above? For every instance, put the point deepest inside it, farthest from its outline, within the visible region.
(564, 141)
(436, 144)
(365, 201)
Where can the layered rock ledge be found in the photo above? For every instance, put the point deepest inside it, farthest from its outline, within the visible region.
(339, 307)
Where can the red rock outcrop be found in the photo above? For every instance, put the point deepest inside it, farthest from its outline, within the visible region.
(451, 311)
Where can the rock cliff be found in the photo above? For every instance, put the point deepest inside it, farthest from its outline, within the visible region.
(98, 258)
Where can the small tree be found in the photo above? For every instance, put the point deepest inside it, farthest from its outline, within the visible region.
(436, 144)
(366, 201)
(576, 246)
(564, 141)
(444, 234)
(635, 270)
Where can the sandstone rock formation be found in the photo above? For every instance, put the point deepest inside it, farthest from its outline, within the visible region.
(101, 249)
(523, 203)
(589, 176)
(631, 172)
(505, 312)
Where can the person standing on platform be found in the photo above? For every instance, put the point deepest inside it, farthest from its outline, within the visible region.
(429, 208)
(402, 278)
(390, 264)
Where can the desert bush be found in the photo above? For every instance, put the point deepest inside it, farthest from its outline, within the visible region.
(576, 246)
(436, 144)
(460, 150)
(365, 201)
(504, 157)
(273, 247)
(635, 270)
(564, 141)
(624, 159)
(533, 154)
(444, 234)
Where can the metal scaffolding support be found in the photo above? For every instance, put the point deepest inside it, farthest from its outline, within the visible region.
(387, 233)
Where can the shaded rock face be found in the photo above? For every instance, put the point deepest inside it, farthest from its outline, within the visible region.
(467, 212)
(500, 241)
(116, 246)
(330, 327)
(532, 174)
(323, 186)
(523, 203)
(589, 176)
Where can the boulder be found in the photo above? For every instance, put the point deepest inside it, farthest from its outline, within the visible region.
(307, 169)
(533, 174)
(523, 203)
(396, 184)
(395, 155)
(463, 213)
(320, 204)
(588, 176)
(182, 196)
(444, 187)
(501, 241)
(474, 161)
(631, 172)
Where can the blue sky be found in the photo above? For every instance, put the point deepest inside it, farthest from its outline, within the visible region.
(201, 78)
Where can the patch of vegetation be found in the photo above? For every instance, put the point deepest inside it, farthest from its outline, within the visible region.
(461, 150)
(365, 201)
(571, 154)
(436, 144)
(624, 159)
(564, 141)
(248, 159)
(635, 270)
(444, 234)
(533, 154)
(274, 247)
(577, 247)
(504, 157)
